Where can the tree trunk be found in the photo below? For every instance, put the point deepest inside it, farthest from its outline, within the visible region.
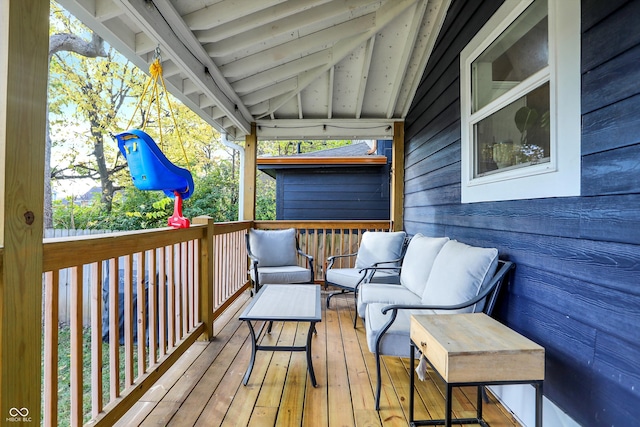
(57, 43)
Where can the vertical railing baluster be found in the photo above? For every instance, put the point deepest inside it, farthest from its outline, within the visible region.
(114, 330)
(76, 347)
(185, 288)
(153, 308)
(162, 303)
(52, 296)
(171, 299)
(128, 321)
(96, 339)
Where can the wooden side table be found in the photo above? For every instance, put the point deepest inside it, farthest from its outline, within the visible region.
(474, 350)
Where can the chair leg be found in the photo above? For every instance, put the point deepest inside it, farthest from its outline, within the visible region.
(332, 294)
(378, 381)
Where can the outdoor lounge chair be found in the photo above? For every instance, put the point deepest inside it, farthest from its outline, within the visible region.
(274, 258)
(377, 249)
(451, 278)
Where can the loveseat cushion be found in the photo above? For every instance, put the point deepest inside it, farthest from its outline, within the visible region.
(418, 261)
(378, 246)
(459, 271)
(395, 342)
(350, 277)
(385, 293)
(274, 248)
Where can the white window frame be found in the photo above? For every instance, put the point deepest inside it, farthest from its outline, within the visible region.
(561, 176)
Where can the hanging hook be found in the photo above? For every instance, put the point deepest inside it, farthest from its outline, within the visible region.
(157, 54)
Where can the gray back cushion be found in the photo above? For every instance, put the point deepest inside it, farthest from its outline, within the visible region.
(378, 246)
(418, 260)
(274, 248)
(458, 273)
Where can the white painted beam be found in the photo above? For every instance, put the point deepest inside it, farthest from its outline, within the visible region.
(387, 12)
(417, 13)
(436, 14)
(253, 20)
(326, 15)
(364, 79)
(297, 48)
(225, 11)
(325, 129)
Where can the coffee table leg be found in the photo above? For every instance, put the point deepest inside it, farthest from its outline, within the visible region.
(312, 328)
(253, 353)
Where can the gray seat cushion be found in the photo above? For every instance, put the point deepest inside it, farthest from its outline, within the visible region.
(348, 278)
(395, 342)
(384, 293)
(284, 274)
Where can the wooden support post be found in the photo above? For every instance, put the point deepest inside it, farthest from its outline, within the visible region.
(397, 177)
(207, 268)
(250, 171)
(24, 44)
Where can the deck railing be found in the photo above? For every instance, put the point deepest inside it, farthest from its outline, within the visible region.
(153, 294)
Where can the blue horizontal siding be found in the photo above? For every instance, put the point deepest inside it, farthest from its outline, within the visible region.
(576, 287)
(333, 194)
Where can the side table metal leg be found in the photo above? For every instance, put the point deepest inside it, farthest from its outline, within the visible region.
(447, 410)
(253, 353)
(479, 402)
(538, 387)
(312, 328)
(411, 381)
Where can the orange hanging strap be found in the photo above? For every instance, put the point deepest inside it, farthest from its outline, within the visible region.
(155, 72)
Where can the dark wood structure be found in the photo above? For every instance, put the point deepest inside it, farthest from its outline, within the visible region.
(336, 184)
(576, 289)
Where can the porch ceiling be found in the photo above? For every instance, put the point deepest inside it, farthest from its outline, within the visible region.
(316, 69)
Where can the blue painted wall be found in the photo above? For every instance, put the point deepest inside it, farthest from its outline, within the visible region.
(335, 192)
(576, 288)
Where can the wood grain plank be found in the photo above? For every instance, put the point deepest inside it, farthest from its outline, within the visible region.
(338, 391)
(315, 411)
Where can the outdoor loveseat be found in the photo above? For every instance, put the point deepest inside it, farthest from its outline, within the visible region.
(438, 275)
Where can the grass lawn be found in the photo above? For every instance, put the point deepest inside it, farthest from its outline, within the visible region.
(64, 373)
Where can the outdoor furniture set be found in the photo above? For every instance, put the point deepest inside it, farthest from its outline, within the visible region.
(393, 279)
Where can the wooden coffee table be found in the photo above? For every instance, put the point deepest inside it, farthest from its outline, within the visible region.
(283, 303)
(474, 350)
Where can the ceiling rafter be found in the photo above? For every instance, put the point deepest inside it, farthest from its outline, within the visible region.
(222, 12)
(365, 75)
(239, 114)
(387, 12)
(332, 72)
(292, 24)
(418, 14)
(285, 52)
(281, 72)
(250, 21)
(436, 15)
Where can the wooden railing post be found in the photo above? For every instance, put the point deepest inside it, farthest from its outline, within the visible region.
(206, 274)
(24, 43)
(397, 177)
(250, 172)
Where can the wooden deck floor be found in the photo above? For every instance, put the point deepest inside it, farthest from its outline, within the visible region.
(205, 387)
